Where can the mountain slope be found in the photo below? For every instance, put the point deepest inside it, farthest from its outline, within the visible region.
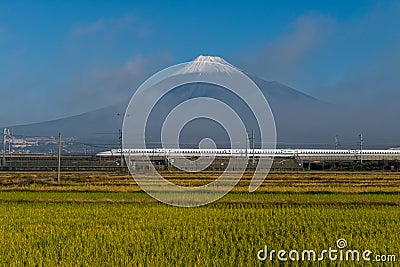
(92, 124)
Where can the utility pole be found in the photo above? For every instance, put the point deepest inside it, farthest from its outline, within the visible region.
(247, 145)
(9, 141)
(252, 145)
(120, 147)
(59, 159)
(9, 134)
(3, 162)
(361, 147)
(337, 142)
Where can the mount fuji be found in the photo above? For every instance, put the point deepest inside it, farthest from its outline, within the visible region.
(299, 117)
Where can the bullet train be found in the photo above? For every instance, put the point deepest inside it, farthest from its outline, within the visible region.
(165, 152)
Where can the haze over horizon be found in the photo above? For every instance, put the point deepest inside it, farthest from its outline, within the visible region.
(300, 120)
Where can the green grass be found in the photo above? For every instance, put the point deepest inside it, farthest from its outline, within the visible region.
(70, 195)
(232, 198)
(103, 219)
(38, 234)
(285, 182)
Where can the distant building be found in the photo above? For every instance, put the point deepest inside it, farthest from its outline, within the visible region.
(23, 143)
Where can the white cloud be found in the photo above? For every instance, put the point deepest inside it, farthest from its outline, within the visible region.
(352, 60)
(90, 28)
(283, 56)
(127, 23)
(370, 56)
(96, 88)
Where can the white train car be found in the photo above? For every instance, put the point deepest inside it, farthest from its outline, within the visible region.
(285, 153)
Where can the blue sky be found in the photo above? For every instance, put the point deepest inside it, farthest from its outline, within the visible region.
(61, 58)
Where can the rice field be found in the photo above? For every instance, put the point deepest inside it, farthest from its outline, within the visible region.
(105, 220)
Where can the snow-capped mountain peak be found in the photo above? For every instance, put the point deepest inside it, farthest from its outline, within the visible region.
(215, 59)
(207, 64)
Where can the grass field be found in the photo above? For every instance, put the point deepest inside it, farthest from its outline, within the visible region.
(103, 219)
